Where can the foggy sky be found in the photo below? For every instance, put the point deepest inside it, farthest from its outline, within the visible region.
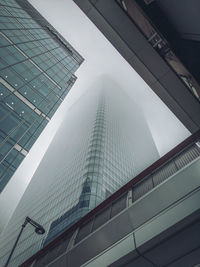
(100, 58)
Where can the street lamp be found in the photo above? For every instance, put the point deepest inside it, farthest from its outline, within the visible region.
(38, 229)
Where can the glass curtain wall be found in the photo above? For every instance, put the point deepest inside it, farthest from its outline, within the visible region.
(37, 69)
(103, 142)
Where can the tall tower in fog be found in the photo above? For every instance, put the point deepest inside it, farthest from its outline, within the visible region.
(103, 142)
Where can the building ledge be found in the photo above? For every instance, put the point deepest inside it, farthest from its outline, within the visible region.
(125, 36)
(150, 230)
(145, 212)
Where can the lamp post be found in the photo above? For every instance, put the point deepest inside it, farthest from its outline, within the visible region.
(38, 229)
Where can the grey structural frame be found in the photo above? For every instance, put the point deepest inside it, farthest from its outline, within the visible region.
(126, 37)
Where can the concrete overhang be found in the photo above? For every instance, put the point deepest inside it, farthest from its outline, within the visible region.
(159, 229)
(125, 36)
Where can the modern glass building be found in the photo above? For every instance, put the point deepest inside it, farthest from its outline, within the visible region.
(37, 69)
(103, 142)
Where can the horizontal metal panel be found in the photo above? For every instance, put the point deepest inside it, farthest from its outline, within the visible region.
(187, 156)
(118, 205)
(101, 218)
(84, 230)
(147, 236)
(176, 246)
(54, 252)
(165, 195)
(61, 262)
(100, 240)
(117, 251)
(163, 173)
(142, 188)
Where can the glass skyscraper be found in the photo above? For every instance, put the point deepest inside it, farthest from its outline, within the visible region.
(37, 69)
(103, 142)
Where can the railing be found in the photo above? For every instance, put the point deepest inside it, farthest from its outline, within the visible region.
(157, 173)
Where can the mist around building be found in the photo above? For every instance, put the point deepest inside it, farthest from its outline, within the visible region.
(99, 141)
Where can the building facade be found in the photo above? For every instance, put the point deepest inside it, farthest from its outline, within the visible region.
(151, 221)
(151, 36)
(37, 69)
(98, 148)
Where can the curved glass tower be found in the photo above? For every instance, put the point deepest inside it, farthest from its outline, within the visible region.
(103, 142)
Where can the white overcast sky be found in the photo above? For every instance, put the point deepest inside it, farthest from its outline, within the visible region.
(100, 58)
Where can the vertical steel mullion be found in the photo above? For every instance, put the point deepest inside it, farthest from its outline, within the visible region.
(28, 58)
(26, 83)
(9, 164)
(8, 137)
